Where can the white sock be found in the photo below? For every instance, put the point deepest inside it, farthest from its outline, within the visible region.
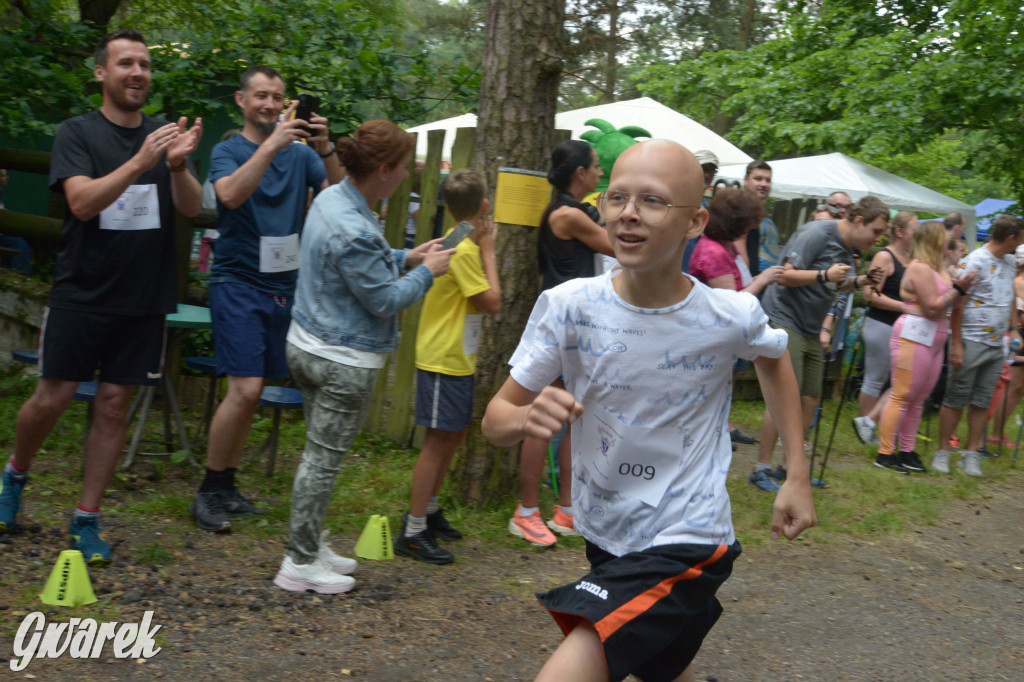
(762, 467)
(433, 504)
(566, 509)
(414, 525)
(527, 511)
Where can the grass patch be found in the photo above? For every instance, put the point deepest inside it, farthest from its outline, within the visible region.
(862, 500)
(154, 554)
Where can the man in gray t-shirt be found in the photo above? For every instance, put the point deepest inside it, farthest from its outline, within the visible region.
(817, 265)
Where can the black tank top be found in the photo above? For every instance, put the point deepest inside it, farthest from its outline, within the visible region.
(891, 288)
(564, 259)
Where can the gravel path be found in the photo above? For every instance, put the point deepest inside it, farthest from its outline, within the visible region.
(946, 602)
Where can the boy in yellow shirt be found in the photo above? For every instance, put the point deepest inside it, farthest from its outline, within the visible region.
(446, 344)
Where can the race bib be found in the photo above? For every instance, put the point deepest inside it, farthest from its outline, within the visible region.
(471, 334)
(632, 460)
(919, 330)
(138, 208)
(279, 254)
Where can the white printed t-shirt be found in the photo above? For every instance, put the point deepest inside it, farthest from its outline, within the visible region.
(652, 450)
(987, 308)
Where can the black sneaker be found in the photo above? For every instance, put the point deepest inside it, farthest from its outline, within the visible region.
(209, 512)
(422, 547)
(738, 436)
(891, 462)
(912, 462)
(237, 503)
(440, 527)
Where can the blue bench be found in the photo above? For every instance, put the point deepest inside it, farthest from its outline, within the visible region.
(279, 398)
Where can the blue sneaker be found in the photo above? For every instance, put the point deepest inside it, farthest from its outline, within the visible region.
(85, 537)
(762, 480)
(10, 499)
(780, 475)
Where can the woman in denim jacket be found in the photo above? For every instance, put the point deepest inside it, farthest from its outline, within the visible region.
(344, 323)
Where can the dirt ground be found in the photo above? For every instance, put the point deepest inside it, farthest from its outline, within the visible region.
(945, 602)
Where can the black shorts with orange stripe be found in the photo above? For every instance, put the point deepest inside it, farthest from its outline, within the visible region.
(652, 609)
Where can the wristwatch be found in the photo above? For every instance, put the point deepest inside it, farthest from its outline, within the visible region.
(329, 152)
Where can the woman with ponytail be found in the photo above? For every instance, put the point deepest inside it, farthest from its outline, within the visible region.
(568, 238)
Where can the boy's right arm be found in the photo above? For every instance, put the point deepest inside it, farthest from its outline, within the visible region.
(488, 301)
(516, 412)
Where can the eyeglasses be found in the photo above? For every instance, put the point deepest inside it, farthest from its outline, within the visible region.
(839, 207)
(651, 208)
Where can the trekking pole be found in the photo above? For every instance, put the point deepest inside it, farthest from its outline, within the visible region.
(858, 347)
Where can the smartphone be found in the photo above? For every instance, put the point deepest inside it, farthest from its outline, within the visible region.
(460, 232)
(308, 104)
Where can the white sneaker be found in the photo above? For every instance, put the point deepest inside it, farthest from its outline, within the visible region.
(316, 576)
(940, 461)
(969, 463)
(865, 428)
(337, 563)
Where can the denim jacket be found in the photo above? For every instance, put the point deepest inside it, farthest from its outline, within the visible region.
(350, 290)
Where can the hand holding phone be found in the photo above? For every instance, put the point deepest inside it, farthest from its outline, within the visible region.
(308, 105)
(460, 232)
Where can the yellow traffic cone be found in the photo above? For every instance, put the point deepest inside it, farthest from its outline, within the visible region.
(375, 541)
(69, 583)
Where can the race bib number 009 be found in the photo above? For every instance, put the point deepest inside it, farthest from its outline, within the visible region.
(613, 455)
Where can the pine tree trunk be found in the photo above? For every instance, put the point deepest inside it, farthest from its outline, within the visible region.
(522, 63)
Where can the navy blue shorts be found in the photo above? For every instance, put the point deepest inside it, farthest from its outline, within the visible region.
(443, 401)
(652, 609)
(249, 331)
(127, 350)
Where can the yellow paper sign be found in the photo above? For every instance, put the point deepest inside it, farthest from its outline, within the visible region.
(521, 197)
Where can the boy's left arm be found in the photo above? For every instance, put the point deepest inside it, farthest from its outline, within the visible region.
(794, 507)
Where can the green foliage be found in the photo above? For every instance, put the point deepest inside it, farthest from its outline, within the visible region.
(344, 51)
(866, 80)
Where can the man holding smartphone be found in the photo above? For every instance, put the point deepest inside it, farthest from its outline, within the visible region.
(262, 180)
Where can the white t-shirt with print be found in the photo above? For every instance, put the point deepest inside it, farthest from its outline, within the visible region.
(989, 300)
(652, 450)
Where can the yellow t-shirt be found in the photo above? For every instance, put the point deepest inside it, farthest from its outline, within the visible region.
(449, 331)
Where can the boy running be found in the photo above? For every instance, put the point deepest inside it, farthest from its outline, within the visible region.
(446, 344)
(646, 353)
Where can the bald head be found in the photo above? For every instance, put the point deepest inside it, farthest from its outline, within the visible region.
(667, 163)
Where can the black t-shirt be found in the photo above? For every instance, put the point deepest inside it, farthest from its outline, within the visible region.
(121, 262)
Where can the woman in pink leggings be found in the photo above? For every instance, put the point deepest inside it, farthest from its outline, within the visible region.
(917, 344)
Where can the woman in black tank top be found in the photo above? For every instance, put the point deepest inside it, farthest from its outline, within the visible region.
(569, 234)
(885, 307)
(568, 238)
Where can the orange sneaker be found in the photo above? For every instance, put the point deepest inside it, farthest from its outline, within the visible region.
(532, 529)
(1004, 441)
(954, 441)
(561, 522)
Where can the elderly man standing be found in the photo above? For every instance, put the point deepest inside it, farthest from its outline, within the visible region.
(262, 179)
(123, 173)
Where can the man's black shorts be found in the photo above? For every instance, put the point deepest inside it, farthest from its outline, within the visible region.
(125, 349)
(651, 609)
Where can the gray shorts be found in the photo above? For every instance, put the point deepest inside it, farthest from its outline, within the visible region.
(976, 380)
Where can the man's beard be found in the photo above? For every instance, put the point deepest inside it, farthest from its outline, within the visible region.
(265, 128)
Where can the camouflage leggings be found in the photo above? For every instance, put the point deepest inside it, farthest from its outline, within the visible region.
(336, 398)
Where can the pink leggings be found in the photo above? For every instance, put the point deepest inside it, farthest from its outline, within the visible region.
(915, 369)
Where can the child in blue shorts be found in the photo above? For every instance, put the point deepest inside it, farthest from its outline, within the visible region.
(446, 344)
(646, 353)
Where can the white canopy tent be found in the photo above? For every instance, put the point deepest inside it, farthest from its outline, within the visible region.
(655, 117)
(819, 176)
